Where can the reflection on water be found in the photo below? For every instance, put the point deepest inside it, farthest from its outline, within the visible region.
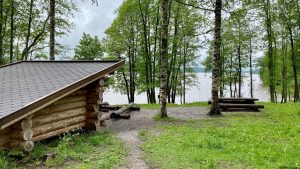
(201, 91)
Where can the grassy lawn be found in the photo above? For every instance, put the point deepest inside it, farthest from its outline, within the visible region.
(89, 150)
(270, 139)
(157, 106)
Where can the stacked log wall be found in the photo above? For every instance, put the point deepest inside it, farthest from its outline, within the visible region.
(95, 102)
(64, 115)
(4, 137)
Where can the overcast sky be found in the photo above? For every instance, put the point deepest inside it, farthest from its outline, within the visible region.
(90, 19)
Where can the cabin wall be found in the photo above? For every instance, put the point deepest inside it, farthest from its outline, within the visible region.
(4, 137)
(77, 110)
(95, 104)
(64, 115)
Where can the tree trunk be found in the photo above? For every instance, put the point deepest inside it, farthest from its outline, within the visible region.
(270, 51)
(295, 71)
(11, 48)
(1, 33)
(184, 71)
(215, 109)
(26, 49)
(284, 70)
(172, 66)
(240, 71)
(250, 65)
(230, 76)
(52, 29)
(146, 46)
(164, 58)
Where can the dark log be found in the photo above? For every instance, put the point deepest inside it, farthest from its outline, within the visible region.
(42, 129)
(236, 100)
(59, 108)
(4, 131)
(134, 108)
(28, 146)
(4, 140)
(70, 99)
(26, 123)
(57, 132)
(40, 120)
(101, 82)
(225, 106)
(104, 110)
(121, 111)
(22, 135)
(122, 116)
(25, 145)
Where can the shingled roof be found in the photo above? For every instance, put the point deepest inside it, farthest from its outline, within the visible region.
(28, 86)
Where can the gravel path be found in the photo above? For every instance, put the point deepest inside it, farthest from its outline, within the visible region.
(127, 130)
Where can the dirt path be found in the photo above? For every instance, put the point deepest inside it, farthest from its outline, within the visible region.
(127, 130)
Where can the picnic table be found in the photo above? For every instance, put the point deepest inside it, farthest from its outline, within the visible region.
(226, 103)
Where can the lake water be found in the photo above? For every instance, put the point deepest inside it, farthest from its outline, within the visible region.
(200, 91)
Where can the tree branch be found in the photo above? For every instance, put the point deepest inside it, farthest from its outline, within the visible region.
(194, 6)
(35, 40)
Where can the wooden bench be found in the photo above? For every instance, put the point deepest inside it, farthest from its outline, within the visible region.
(255, 107)
(238, 103)
(236, 100)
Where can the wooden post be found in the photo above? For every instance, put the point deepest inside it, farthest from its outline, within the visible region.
(95, 105)
(100, 100)
(23, 137)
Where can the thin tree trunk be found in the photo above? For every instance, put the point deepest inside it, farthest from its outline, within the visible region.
(11, 50)
(26, 49)
(295, 71)
(1, 33)
(270, 51)
(240, 71)
(285, 72)
(251, 71)
(148, 65)
(230, 76)
(184, 71)
(235, 81)
(52, 29)
(164, 59)
(215, 109)
(274, 71)
(222, 72)
(171, 67)
(127, 87)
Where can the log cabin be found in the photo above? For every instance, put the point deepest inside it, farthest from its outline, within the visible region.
(43, 99)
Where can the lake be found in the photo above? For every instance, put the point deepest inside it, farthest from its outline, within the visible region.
(200, 91)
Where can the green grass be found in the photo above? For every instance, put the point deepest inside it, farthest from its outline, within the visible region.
(157, 117)
(89, 150)
(241, 140)
(157, 106)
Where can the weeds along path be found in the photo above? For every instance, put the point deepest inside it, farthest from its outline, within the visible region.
(127, 130)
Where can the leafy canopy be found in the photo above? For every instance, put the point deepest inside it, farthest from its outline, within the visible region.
(89, 48)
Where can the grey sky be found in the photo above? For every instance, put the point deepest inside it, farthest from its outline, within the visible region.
(90, 19)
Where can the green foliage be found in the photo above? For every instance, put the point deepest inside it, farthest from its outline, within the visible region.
(135, 36)
(89, 48)
(39, 32)
(238, 140)
(3, 161)
(88, 150)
